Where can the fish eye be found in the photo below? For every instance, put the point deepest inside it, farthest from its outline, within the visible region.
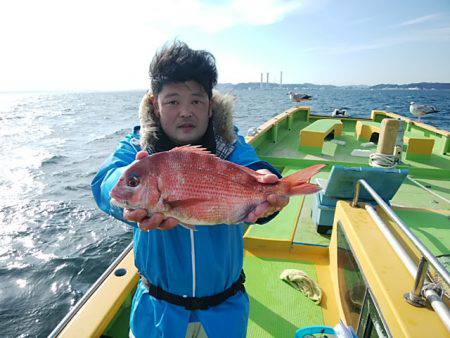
(133, 181)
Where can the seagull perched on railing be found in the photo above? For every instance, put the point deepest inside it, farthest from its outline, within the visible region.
(420, 110)
(299, 97)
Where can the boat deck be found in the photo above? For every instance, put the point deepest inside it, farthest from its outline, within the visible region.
(422, 202)
(294, 223)
(286, 151)
(277, 309)
(427, 185)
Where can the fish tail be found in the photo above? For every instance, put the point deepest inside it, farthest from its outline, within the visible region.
(298, 183)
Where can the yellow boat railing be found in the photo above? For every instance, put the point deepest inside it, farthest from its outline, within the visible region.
(423, 289)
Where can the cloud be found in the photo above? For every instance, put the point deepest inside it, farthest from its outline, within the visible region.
(421, 19)
(213, 18)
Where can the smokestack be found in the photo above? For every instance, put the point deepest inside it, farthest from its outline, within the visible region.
(281, 78)
(267, 78)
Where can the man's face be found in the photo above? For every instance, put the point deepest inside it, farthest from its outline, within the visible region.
(184, 111)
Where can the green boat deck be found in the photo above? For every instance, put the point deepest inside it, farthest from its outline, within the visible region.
(285, 151)
(294, 222)
(277, 309)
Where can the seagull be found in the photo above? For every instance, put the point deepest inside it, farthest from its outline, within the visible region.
(340, 112)
(420, 110)
(299, 97)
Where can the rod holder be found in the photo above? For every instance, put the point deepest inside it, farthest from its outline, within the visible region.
(415, 296)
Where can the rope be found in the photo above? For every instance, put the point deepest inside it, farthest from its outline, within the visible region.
(428, 190)
(382, 160)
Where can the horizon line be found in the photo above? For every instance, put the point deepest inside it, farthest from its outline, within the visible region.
(222, 83)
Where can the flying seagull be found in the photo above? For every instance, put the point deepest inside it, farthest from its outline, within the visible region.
(420, 110)
(299, 97)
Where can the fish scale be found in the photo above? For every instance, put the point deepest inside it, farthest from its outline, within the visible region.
(196, 187)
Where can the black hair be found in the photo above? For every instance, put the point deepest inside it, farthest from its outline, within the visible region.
(179, 63)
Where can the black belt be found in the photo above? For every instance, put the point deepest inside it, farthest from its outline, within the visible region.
(195, 303)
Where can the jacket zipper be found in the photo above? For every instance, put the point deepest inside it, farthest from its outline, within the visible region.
(193, 263)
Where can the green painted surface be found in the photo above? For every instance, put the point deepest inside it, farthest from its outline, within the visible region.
(411, 195)
(120, 327)
(322, 125)
(277, 309)
(431, 228)
(306, 230)
(282, 226)
(432, 171)
(286, 150)
(371, 123)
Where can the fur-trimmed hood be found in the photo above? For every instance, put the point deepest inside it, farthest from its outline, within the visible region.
(222, 117)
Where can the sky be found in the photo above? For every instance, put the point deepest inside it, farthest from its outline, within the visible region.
(108, 45)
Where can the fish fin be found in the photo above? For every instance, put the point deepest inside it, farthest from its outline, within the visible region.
(298, 182)
(192, 149)
(188, 202)
(304, 189)
(251, 172)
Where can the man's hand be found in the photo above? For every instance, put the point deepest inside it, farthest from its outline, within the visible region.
(272, 204)
(149, 222)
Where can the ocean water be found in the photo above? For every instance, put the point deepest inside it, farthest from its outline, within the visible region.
(54, 242)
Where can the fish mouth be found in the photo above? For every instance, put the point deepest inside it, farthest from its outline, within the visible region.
(122, 204)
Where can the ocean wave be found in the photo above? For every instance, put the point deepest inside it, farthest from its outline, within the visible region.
(121, 132)
(77, 187)
(53, 160)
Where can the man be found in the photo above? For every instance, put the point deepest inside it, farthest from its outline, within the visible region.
(192, 281)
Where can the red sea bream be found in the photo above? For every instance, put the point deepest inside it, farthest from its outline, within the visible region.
(196, 187)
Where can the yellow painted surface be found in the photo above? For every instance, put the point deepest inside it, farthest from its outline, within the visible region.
(416, 145)
(385, 274)
(419, 146)
(95, 316)
(364, 131)
(284, 249)
(314, 138)
(338, 128)
(409, 121)
(311, 138)
(329, 305)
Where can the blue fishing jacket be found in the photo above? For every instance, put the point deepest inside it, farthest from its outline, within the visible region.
(184, 262)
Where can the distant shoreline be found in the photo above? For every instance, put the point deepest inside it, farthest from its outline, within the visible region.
(295, 86)
(257, 85)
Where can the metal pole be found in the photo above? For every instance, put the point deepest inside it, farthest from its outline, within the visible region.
(436, 302)
(438, 306)
(415, 296)
(424, 250)
(356, 197)
(398, 248)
